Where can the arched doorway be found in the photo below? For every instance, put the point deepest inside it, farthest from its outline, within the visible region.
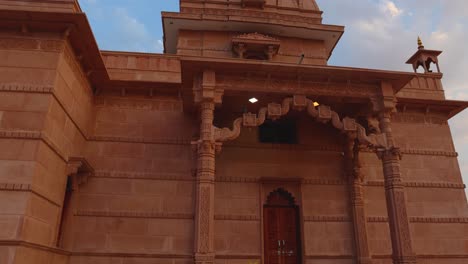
(282, 243)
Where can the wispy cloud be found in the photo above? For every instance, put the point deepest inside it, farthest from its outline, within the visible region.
(382, 34)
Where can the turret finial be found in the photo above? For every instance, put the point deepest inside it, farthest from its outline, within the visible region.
(420, 43)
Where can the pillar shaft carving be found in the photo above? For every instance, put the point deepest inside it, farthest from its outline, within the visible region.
(394, 190)
(207, 96)
(359, 216)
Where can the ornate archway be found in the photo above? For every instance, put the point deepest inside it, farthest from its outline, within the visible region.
(321, 113)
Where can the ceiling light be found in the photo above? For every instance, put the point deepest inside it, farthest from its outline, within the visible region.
(253, 100)
(316, 104)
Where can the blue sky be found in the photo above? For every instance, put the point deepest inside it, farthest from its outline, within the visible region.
(379, 34)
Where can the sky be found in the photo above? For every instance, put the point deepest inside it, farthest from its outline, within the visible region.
(379, 34)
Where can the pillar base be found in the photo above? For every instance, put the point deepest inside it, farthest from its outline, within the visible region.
(204, 258)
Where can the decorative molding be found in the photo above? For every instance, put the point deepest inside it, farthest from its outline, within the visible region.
(15, 187)
(441, 185)
(327, 218)
(248, 83)
(169, 141)
(460, 256)
(424, 152)
(238, 256)
(32, 44)
(35, 135)
(431, 220)
(26, 88)
(20, 134)
(246, 218)
(142, 104)
(25, 187)
(442, 220)
(142, 176)
(237, 179)
(253, 15)
(377, 219)
(133, 255)
(130, 214)
(324, 182)
(429, 152)
(329, 257)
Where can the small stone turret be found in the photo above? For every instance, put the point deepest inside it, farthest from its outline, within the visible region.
(425, 58)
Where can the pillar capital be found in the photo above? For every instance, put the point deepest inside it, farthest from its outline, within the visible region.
(392, 153)
(205, 88)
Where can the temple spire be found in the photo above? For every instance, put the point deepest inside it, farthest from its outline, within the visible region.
(420, 43)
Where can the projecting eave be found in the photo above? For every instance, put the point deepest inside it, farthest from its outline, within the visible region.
(174, 22)
(450, 107)
(291, 71)
(75, 26)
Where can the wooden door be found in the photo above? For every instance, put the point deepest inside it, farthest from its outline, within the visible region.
(281, 233)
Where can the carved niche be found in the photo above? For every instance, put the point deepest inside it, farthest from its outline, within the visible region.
(255, 46)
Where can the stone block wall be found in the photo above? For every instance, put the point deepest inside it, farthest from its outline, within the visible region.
(140, 200)
(40, 125)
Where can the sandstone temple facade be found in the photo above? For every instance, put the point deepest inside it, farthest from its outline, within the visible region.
(239, 144)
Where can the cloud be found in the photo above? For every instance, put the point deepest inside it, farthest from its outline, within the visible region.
(391, 8)
(382, 34)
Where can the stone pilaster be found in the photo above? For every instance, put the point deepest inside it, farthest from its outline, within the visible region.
(206, 95)
(355, 179)
(402, 250)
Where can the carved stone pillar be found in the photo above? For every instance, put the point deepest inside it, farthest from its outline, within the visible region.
(402, 250)
(358, 211)
(396, 198)
(206, 95)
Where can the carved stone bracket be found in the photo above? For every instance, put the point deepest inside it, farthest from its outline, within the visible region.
(79, 170)
(322, 113)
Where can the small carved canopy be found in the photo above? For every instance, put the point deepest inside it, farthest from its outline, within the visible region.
(280, 197)
(424, 58)
(255, 46)
(78, 170)
(253, 3)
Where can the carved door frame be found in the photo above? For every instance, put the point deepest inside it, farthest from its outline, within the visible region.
(294, 187)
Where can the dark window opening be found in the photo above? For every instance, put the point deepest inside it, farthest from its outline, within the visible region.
(281, 131)
(65, 211)
(252, 55)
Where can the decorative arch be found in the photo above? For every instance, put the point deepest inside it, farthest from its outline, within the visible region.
(280, 197)
(321, 113)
